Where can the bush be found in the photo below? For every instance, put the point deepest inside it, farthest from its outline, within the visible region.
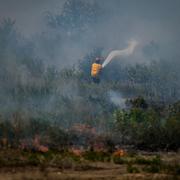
(34, 159)
(97, 156)
(154, 161)
(119, 160)
(153, 127)
(132, 169)
(153, 168)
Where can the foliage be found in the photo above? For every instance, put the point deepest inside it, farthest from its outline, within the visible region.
(141, 160)
(76, 17)
(97, 156)
(152, 169)
(119, 160)
(147, 128)
(132, 169)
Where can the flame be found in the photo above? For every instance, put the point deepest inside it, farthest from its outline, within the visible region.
(119, 153)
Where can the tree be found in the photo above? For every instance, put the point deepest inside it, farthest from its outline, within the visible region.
(77, 16)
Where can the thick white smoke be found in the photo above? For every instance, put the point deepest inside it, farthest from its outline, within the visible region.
(118, 53)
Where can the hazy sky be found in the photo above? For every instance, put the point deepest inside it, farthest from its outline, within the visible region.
(144, 20)
(29, 13)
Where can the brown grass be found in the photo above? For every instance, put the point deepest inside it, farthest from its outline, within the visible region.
(19, 165)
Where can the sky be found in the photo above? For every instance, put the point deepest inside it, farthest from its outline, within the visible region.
(143, 20)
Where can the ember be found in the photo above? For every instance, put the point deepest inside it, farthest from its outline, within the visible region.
(77, 151)
(119, 153)
(38, 146)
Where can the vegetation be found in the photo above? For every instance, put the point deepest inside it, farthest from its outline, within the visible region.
(148, 126)
(132, 169)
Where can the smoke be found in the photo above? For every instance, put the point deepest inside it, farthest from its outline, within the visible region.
(118, 53)
(117, 99)
(79, 30)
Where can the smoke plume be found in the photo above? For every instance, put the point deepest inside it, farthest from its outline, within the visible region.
(118, 53)
(117, 99)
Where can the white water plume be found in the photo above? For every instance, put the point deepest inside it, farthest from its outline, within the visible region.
(118, 53)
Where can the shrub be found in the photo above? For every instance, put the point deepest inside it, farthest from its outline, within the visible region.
(132, 169)
(33, 159)
(153, 168)
(119, 160)
(154, 161)
(97, 156)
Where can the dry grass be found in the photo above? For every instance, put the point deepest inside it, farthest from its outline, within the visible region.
(18, 165)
